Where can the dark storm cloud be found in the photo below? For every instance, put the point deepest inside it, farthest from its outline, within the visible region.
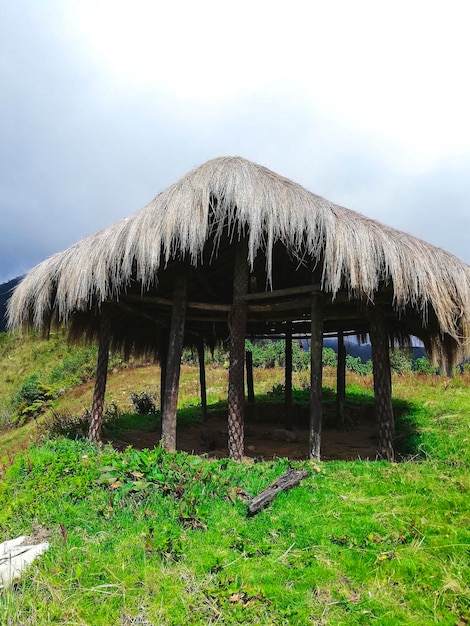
(79, 153)
(73, 157)
(436, 206)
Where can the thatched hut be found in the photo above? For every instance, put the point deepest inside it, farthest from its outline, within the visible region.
(233, 249)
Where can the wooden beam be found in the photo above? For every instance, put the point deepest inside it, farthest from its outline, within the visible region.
(175, 349)
(280, 306)
(340, 380)
(250, 386)
(97, 407)
(163, 357)
(288, 378)
(168, 302)
(280, 293)
(236, 391)
(202, 376)
(382, 383)
(316, 372)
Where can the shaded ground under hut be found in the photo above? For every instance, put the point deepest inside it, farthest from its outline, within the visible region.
(233, 250)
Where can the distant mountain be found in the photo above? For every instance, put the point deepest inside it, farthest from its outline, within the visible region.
(363, 350)
(5, 293)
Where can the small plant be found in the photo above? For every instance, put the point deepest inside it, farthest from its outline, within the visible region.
(423, 366)
(31, 400)
(277, 390)
(65, 424)
(112, 412)
(329, 357)
(355, 364)
(400, 361)
(144, 402)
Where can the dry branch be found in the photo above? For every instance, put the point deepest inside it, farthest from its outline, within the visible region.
(285, 482)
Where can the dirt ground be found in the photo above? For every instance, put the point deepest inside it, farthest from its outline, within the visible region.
(266, 437)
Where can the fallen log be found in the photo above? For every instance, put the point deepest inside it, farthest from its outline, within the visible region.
(288, 480)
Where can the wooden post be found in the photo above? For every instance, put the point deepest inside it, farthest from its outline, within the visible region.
(250, 386)
(236, 392)
(202, 376)
(96, 417)
(175, 349)
(316, 373)
(288, 378)
(340, 380)
(382, 384)
(163, 356)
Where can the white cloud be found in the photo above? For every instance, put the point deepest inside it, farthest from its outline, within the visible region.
(108, 102)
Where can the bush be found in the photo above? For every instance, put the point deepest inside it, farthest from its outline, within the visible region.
(423, 366)
(400, 361)
(329, 358)
(31, 400)
(144, 402)
(72, 426)
(354, 364)
(268, 354)
(76, 368)
(300, 358)
(278, 390)
(79, 366)
(189, 357)
(66, 424)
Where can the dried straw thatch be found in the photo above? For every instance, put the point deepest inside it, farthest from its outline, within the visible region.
(228, 198)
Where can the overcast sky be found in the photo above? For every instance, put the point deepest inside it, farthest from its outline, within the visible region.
(106, 103)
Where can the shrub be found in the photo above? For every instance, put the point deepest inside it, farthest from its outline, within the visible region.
(144, 402)
(278, 390)
(300, 358)
(329, 357)
(189, 357)
(354, 364)
(79, 366)
(76, 368)
(400, 361)
(31, 400)
(423, 366)
(66, 424)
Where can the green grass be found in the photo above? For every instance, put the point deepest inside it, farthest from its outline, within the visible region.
(152, 538)
(52, 363)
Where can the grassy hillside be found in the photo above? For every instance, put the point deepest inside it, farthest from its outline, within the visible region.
(151, 538)
(52, 364)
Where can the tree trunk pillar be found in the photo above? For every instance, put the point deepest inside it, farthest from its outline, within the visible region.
(163, 357)
(288, 378)
(382, 384)
(250, 385)
(316, 373)
(340, 380)
(97, 407)
(173, 368)
(202, 376)
(236, 391)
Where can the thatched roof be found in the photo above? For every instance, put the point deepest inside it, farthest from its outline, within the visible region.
(292, 235)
